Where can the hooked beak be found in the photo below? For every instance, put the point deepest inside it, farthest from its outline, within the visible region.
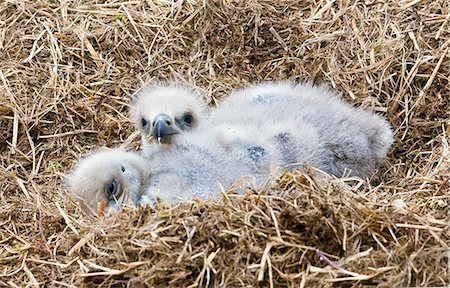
(102, 206)
(162, 128)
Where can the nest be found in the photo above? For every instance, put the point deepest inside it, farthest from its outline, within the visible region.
(68, 69)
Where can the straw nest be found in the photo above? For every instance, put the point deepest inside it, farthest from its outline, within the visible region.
(68, 68)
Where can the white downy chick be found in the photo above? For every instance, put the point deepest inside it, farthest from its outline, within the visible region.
(107, 179)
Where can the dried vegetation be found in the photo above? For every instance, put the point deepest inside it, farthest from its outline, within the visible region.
(68, 68)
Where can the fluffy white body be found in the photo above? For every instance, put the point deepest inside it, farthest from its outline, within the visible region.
(206, 159)
(346, 138)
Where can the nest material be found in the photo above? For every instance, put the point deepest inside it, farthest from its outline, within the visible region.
(68, 68)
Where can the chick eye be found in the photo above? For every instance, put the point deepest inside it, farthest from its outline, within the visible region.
(144, 122)
(188, 119)
(122, 168)
(112, 189)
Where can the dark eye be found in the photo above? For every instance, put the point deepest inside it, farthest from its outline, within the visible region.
(188, 119)
(122, 168)
(112, 189)
(143, 122)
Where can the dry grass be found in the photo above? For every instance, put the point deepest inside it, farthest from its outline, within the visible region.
(68, 68)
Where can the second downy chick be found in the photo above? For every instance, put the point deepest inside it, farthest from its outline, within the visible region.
(162, 110)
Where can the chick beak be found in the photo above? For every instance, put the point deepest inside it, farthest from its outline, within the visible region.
(101, 207)
(162, 128)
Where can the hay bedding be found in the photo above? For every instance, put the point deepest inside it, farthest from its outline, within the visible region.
(68, 68)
